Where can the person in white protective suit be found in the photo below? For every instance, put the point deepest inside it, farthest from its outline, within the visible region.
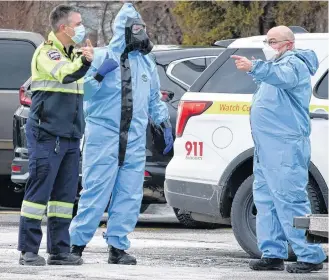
(280, 125)
(122, 90)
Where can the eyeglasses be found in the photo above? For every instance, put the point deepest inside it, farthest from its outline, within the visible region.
(273, 42)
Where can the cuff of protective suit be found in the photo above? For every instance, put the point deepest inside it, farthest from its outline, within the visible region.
(98, 77)
(165, 124)
(85, 61)
(254, 65)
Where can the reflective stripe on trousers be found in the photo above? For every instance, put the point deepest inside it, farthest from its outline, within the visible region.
(60, 209)
(33, 210)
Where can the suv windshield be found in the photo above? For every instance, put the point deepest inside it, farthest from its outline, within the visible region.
(228, 79)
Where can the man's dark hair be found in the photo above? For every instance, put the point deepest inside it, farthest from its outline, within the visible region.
(60, 15)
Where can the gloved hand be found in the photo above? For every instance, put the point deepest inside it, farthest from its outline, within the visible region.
(107, 66)
(169, 139)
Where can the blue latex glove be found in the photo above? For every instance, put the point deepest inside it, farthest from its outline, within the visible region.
(107, 66)
(169, 139)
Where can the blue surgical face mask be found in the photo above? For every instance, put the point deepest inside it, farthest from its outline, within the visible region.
(80, 33)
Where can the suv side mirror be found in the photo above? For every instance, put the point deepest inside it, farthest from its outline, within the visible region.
(167, 95)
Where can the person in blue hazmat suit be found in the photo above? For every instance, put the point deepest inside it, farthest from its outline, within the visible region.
(280, 127)
(117, 107)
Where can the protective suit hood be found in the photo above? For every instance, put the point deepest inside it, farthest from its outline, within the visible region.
(307, 56)
(118, 42)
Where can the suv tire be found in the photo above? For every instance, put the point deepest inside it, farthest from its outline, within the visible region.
(187, 220)
(244, 226)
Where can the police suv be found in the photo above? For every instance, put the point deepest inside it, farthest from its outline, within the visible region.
(211, 174)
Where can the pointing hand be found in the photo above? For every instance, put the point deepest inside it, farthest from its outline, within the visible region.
(242, 63)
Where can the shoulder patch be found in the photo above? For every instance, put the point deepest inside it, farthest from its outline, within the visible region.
(54, 54)
(48, 42)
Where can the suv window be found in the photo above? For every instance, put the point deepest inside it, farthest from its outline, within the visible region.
(15, 66)
(228, 79)
(322, 88)
(189, 70)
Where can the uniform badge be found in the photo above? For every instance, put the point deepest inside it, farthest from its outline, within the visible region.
(54, 55)
(144, 78)
(48, 42)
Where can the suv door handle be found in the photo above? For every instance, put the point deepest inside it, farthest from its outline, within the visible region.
(323, 116)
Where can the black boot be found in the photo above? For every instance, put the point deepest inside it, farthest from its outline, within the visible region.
(267, 264)
(64, 259)
(77, 250)
(117, 256)
(304, 267)
(28, 258)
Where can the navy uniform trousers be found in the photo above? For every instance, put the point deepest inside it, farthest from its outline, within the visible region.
(52, 186)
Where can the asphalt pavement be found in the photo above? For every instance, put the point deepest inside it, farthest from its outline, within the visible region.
(164, 250)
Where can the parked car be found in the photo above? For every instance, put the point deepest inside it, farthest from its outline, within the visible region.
(16, 51)
(211, 173)
(178, 68)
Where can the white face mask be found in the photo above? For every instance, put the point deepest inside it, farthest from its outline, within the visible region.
(270, 53)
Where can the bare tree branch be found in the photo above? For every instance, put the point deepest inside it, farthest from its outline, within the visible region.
(103, 22)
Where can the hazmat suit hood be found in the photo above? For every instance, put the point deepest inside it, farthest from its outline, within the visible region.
(118, 42)
(307, 56)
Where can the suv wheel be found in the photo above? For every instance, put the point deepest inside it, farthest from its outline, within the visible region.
(243, 215)
(187, 220)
